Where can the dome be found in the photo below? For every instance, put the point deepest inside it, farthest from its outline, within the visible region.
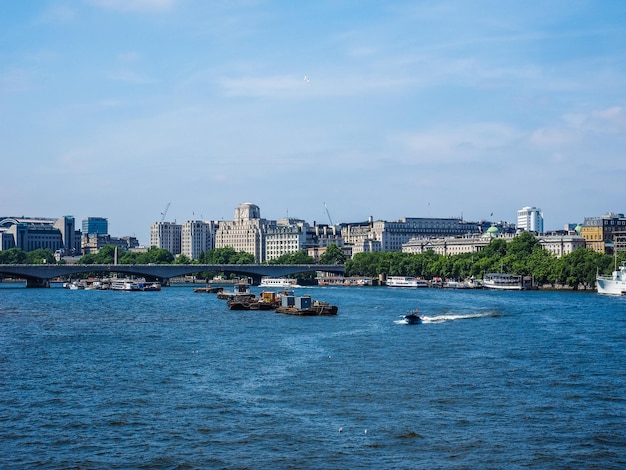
(492, 231)
(578, 228)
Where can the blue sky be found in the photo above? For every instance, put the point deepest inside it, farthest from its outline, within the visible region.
(115, 108)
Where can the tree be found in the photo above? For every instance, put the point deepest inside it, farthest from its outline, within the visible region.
(226, 255)
(332, 255)
(155, 255)
(13, 256)
(183, 259)
(298, 257)
(40, 256)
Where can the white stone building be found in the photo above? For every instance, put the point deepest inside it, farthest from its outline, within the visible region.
(166, 235)
(530, 219)
(246, 232)
(197, 237)
(286, 236)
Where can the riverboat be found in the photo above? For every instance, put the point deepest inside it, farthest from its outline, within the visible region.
(125, 285)
(278, 283)
(615, 284)
(406, 281)
(503, 281)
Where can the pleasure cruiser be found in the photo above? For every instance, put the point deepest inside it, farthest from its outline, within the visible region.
(278, 283)
(502, 281)
(615, 284)
(406, 281)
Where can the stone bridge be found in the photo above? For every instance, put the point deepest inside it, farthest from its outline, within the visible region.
(39, 275)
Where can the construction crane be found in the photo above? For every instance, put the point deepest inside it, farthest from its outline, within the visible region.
(164, 213)
(328, 214)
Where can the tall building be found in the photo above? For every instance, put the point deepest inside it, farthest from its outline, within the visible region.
(95, 226)
(197, 237)
(530, 219)
(246, 232)
(167, 236)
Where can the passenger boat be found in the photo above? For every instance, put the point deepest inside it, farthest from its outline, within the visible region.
(615, 284)
(278, 283)
(130, 285)
(406, 281)
(502, 281)
(125, 285)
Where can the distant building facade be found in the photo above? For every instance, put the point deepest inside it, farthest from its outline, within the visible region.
(530, 219)
(245, 233)
(95, 225)
(286, 236)
(33, 233)
(605, 234)
(197, 237)
(167, 236)
(381, 235)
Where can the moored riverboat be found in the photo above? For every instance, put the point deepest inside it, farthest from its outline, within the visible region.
(615, 284)
(406, 281)
(503, 281)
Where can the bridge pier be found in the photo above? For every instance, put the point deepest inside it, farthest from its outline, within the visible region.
(35, 282)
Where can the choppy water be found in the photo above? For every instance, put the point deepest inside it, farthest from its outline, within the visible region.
(173, 379)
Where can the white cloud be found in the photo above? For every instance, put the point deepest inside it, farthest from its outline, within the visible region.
(457, 143)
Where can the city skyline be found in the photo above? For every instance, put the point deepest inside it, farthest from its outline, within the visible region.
(392, 109)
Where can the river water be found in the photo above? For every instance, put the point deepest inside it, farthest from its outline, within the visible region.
(175, 380)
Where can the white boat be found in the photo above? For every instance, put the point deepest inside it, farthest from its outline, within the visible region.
(278, 283)
(125, 285)
(502, 281)
(406, 281)
(615, 284)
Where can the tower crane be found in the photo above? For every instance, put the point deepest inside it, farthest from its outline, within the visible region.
(163, 214)
(328, 214)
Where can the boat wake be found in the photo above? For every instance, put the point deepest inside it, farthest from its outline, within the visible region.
(446, 318)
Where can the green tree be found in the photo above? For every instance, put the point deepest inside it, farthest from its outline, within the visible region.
(183, 259)
(226, 255)
(298, 257)
(13, 256)
(332, 255)
(155, 255)
(40, 256)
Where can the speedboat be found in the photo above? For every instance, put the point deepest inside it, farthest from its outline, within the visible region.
(412, 318)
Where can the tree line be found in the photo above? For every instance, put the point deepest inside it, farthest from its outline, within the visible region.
(522, 255)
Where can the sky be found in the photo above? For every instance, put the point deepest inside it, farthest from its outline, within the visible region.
(325, 111)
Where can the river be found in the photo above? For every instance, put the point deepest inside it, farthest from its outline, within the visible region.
(174, 380)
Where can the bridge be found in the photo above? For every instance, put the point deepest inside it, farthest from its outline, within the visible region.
(40, 275)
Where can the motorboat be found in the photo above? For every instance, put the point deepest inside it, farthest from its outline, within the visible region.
(412, 318)
(615, 284)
